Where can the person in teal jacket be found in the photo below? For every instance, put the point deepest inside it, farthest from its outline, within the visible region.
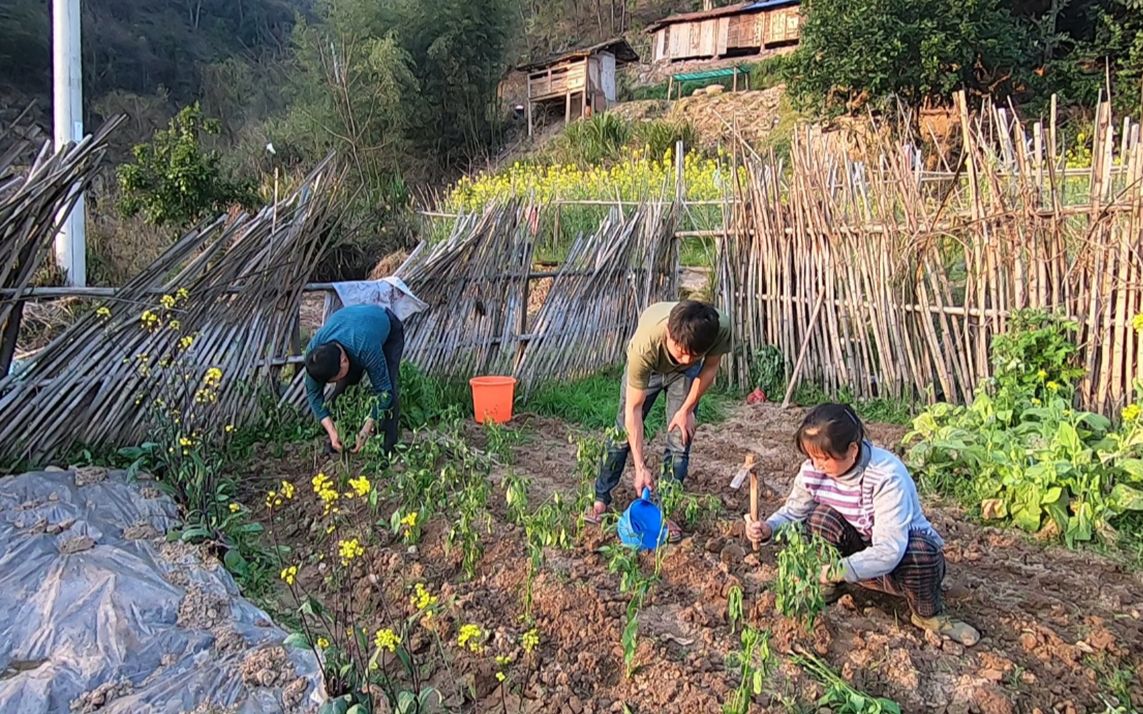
(357, 340)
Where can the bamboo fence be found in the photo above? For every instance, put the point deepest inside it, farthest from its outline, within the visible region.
(914, 282)
(477, 285)
(100, 381)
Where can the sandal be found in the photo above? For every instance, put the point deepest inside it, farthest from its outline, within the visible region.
(945, 625)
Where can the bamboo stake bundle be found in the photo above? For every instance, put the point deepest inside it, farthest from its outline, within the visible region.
(32, 203)
(233, 287)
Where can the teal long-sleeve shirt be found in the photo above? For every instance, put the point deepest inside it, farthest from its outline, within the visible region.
(361, 330)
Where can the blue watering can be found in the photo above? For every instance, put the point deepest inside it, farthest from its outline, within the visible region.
(641, 525)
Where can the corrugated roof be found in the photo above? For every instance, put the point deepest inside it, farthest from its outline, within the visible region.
(699, 15)
(735, 9)
(618, 47)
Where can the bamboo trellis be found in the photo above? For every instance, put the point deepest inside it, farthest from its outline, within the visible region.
(915, 282)
(243, 277)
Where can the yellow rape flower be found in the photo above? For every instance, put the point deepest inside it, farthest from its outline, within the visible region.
(287, 490)
(500, 677)
(229, 428)
(234, 507)
(470, 636)
(386, 639)
(174, 325)
(360, 485)
(349, 549)
(149, 320)
(167, 301)
(289, 575)
(323, 643)
(182, 294)
(410, 519)
(422, 599)
(186, 342)
(103, 312)
(1131, 412)
(273, 500)
(530, 640)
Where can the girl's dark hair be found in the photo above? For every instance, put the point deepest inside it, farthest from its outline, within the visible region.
(829, 429)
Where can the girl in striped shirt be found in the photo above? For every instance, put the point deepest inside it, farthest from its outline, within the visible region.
(862, 499)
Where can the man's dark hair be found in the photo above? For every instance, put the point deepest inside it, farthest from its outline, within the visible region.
(324, 362)
(694, 325)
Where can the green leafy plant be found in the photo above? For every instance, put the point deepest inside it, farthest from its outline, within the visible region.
(174, 181)
(734, 607)
(624, 561)
(839, 697)
(768, 371)
(753, 663)
(1023, 454)
(798, 590)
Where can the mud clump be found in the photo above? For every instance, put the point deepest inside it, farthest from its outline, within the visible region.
(202, 610)
(71, 546)
(101, 696)
(88, 475)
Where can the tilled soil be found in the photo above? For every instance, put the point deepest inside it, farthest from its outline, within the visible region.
(1058, 627)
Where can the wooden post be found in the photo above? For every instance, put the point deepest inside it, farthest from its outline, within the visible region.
(734, 82)
(754, 502)
(567, 107)
(670, 85)
(8, 340)
(528, 105)
(802, 352)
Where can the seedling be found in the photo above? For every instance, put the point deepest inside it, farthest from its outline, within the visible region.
(734, 607)
(754, 663)
(798, 592)
(840, 698)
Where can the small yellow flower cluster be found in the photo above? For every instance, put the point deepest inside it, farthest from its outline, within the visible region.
(103, 312)
(1131, 412)
(410, 519)
(150, 321)
(168, 302)
(141, 365)
(289, 575)
(360, 486)
(422, 599)
(287, 490)
(186, 342)
(471, 636)
(349, 549)
(386, 639)
(208, 392)
(502, 661)
(273, 500)
(323, 487)
(323, 643)
(234, 507)
(174, 325)
(530, 640)
(1137, 322)
(229, 428)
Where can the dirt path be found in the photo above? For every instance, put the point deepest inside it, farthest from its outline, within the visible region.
(1058, 627)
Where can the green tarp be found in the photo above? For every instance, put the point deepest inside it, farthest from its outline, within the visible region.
(709, 74)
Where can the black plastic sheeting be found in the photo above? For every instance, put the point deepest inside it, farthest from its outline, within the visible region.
(99, 613)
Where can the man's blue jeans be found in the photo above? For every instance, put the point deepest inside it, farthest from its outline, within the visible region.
(676, 455)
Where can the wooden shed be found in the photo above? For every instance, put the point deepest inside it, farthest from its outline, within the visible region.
(582, 80)
(747, 28)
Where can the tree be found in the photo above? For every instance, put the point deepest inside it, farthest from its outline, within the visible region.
(854, 51)
(174, 181)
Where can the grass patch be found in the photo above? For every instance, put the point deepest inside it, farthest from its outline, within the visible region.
(880, 410)
(593, 402)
